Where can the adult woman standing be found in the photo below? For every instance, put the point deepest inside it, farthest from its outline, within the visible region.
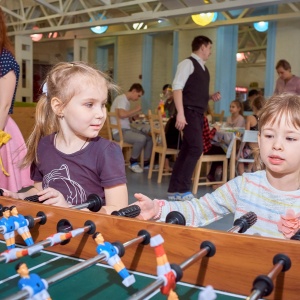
(12, 145)
(287, 82)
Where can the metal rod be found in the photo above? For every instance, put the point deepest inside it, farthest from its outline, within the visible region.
(136, 240)
(234, 228)
(72, 270)
(255, 295)
(148, 290)
(276, 270)
(194, 257)
(81, 206)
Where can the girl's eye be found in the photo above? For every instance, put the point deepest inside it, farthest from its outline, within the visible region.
(290, 139)
(268, 136)
(89, 104)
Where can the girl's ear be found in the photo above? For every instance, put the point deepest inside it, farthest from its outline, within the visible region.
(57, 106)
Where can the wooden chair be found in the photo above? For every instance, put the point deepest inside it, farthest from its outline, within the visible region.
(208, 159)
(217, 117)
(126, 147)
(249, 136)
(159, 145)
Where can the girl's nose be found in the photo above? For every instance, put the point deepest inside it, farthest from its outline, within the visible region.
(277, 145)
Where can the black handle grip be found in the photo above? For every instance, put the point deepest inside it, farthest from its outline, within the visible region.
(131, 211)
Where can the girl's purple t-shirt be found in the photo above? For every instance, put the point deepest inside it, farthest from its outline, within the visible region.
(88, 171)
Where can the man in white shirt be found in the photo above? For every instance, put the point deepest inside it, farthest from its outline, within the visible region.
(137, 138)
(191, 95)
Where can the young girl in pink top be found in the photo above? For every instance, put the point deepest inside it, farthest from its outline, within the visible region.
(236, 119)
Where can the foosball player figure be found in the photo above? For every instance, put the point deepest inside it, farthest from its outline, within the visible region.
(8, 228)
(164, 270)
(32, 283)
(21, 225)
(113, 259)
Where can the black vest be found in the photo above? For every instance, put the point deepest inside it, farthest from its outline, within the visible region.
(196, 90)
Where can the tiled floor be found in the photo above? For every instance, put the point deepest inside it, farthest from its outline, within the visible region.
(149, 187)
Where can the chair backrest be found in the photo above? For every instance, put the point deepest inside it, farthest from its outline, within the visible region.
(117, 126)
(157, 129)
(217, 117)
(250, 136)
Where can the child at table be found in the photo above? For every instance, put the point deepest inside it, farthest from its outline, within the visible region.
(272, 193)
(236, 119)
(69, 161)
(251, 124)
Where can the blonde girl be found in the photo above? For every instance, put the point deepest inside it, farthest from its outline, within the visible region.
(273, 192)
(68, 159)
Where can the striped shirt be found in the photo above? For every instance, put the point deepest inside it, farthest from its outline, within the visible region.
(249, 192)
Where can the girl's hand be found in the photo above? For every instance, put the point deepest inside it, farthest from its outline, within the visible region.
(52, 197)
(10, 194)
(148, 209)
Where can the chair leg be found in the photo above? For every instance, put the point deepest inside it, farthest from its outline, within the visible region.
(126, 153)
(197, 176)
(161, 167)
(151, 165)
(142, 159)
(225, 169)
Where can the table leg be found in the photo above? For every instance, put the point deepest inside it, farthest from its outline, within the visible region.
(232, 161)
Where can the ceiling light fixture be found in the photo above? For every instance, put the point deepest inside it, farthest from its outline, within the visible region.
(99, 29)
(204, 19)
(261, 26)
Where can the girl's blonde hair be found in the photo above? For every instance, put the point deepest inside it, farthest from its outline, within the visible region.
(240, 105)
(58, 84)
(277, 106)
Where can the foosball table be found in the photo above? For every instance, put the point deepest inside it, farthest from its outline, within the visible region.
(236, 265)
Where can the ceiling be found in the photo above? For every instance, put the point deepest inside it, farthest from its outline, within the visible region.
(63, 16)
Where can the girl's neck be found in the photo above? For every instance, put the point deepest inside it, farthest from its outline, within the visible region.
(235, 115)
(283, 182)
(69, 146)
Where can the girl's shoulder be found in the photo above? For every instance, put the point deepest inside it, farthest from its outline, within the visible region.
(105, 144)
(257, 178)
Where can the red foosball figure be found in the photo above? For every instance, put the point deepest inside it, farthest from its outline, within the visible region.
(164, 270)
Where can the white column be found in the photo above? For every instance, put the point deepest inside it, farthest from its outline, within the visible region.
(24, 57)
(81, 48)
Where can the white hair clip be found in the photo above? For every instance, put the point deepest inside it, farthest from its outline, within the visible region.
(45, 89)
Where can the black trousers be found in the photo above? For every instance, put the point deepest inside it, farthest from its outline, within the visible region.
(191, 149)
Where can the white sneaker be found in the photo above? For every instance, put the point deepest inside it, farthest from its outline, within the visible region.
(136, 168)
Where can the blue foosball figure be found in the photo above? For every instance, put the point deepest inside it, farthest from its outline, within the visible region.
(21, 225)
(7, 227)
(113, 259)
(32, 283)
